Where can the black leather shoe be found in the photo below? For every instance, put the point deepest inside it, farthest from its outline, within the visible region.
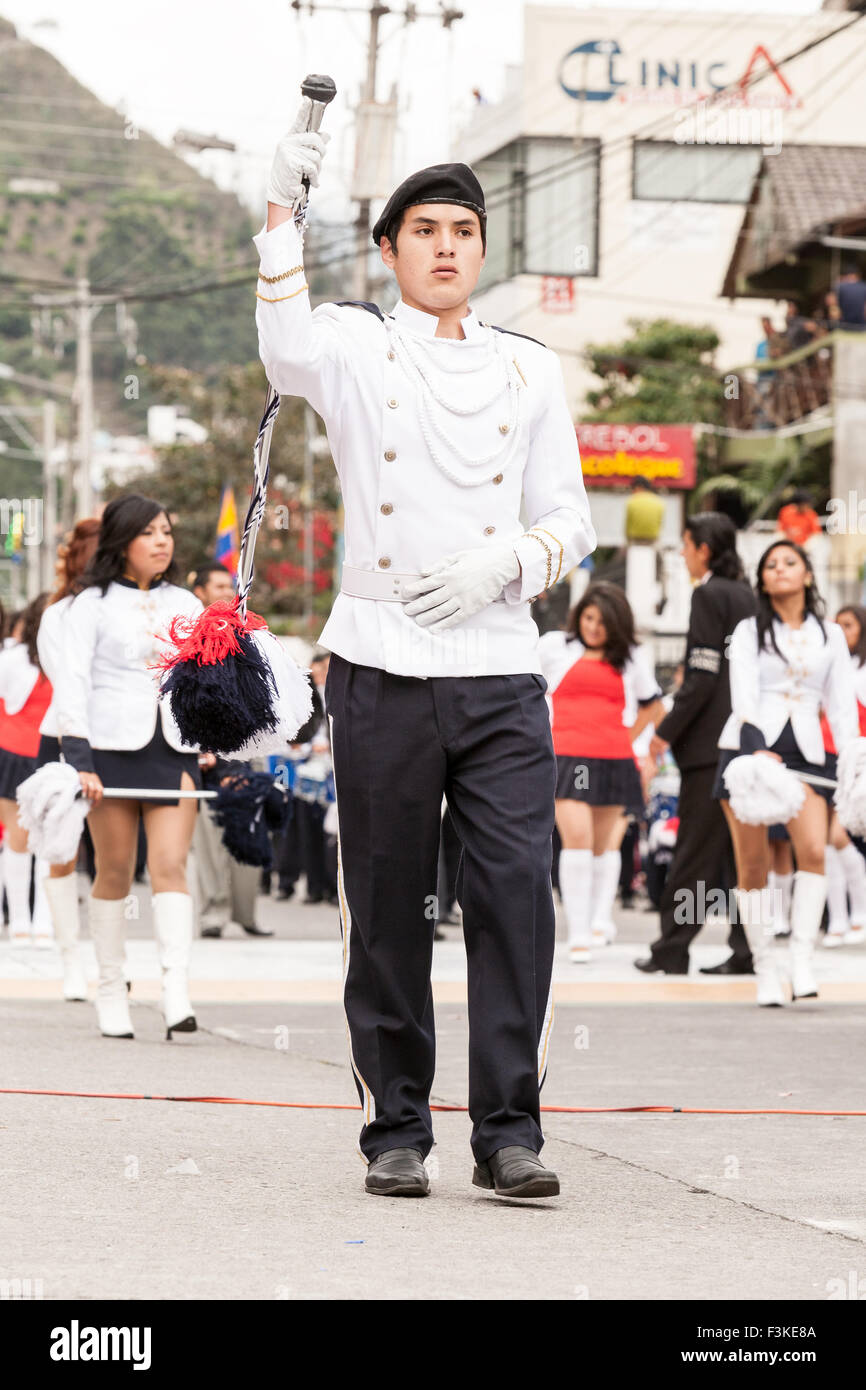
(211, 931)
(731, 966)
(650, 966)
(516, 1172)
(398, 1173)
(256, 931)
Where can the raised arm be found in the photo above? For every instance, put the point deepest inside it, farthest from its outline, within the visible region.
(303, 353)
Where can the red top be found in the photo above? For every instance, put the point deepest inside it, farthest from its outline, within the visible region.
(798, 526)
(829, 745)
(588, 706)
(19, 733)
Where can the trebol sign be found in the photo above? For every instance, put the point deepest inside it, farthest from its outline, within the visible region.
(601, 70)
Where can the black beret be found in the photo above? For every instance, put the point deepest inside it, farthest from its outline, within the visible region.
(441, 183)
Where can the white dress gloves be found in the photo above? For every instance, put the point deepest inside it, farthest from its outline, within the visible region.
(299, 156)
(460, 585)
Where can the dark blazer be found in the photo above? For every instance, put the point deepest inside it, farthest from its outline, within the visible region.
(703, 701)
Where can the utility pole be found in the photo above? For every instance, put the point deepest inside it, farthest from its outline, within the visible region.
(375, 12)
(84, 396)
(49, 493)
(81, 307)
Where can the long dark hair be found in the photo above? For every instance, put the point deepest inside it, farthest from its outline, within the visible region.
(76, 555)
(719, 534)
(123, 519)
(767, 616)
(30, 619)
(859, 614)
(617, 617)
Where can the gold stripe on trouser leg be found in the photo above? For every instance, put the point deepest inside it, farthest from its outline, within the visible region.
(345, 932)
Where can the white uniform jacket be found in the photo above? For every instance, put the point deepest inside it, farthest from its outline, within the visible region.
(767, 689)
(49, 644)
(640, 686)
(18, 676)
(104, 692)
(402, 511)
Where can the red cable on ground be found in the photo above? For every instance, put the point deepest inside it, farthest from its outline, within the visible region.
(332, 1105)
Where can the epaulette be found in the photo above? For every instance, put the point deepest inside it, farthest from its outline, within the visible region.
(497, 329)
(361, 304)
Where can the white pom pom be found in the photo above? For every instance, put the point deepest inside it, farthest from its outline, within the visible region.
(763, 791)
(52, 812)
(850, 795)
(293, 701)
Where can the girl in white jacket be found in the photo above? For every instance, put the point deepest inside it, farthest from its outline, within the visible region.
(115, 733)
(787, 664)
(61, 885)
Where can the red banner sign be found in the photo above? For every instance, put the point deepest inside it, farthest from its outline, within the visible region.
(614, 455)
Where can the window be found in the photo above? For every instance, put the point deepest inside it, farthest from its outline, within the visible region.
(694, 173)
(542, 209)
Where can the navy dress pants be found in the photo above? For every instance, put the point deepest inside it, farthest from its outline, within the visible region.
(398, 744)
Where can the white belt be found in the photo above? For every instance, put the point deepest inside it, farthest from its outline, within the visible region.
(378, 584)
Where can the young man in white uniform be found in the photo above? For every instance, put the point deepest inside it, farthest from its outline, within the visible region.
(439, 426)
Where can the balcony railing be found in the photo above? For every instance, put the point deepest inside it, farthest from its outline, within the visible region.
(779, 391)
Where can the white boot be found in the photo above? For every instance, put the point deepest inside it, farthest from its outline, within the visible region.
(807, 909)
(107, 931)
(754, 907)
(605, 877)
(17, 864)
(62, 895)
(780, 886)
(854, 866)
(43, 927)
(575, 886)
(172, 924)
(837, 898)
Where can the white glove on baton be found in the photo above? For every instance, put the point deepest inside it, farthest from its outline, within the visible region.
(298, 156)
(460, 585)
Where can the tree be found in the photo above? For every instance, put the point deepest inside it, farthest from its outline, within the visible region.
(663, 374)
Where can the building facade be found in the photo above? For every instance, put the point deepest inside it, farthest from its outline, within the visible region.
(619, 161)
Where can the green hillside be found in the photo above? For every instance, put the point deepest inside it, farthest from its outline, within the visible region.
(128, 212)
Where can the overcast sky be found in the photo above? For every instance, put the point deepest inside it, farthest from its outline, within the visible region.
(234, 69)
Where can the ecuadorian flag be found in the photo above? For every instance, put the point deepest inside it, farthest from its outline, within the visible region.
(227, 548)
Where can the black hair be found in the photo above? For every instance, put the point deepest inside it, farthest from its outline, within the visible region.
(617, 617)
(394, 224)
(123, 519)
(767, 616)
(850, 268)
(859, 612)
(799, 496)
(719, 534)
(31, 617)
(641, 481)
(204, 572)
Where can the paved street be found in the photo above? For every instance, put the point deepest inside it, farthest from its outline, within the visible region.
(134, 1198)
